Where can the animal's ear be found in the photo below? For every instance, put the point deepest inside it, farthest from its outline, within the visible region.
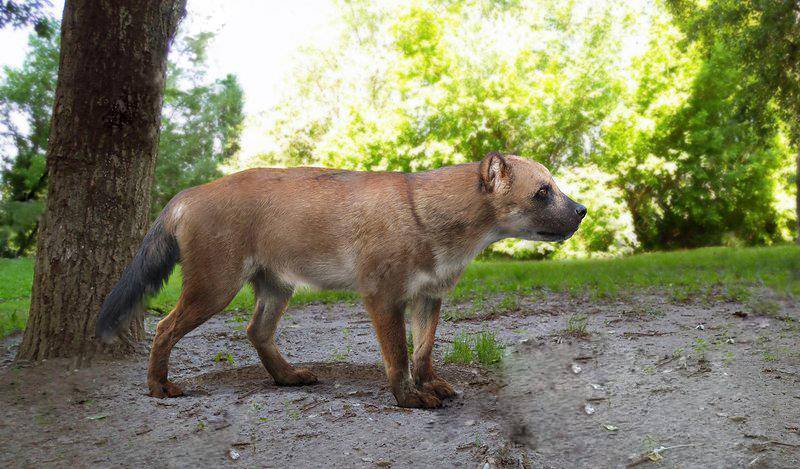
(495, 173)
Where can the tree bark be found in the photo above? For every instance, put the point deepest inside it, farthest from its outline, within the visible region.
(100, 161)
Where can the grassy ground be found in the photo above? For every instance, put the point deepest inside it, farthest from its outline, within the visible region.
(728, 272)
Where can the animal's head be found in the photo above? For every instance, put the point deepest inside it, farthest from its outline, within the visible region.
(526, 200)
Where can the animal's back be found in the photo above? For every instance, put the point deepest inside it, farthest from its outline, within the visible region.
(309, 225)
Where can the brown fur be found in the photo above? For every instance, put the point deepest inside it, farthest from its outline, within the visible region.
(400, 240)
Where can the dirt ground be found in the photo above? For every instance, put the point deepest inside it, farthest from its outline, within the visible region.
(652, 383)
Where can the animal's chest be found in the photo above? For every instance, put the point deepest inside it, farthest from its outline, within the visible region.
(436, 282)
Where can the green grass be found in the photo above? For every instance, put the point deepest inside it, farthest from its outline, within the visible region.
(16, 277)
(686, 272)
(732, 272)
(480, 348)
(576, 324)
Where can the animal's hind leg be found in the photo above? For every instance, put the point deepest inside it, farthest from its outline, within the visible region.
(271, 300)
(198, 302)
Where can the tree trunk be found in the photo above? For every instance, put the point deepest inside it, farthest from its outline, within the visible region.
(100, 162)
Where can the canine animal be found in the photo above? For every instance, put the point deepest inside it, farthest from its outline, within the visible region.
(400, 240)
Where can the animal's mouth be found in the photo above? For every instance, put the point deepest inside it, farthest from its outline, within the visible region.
(551, 236)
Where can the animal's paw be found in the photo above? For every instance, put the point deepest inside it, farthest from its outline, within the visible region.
(165, 389)
(418, 399)
(296, 377)
(439, 387)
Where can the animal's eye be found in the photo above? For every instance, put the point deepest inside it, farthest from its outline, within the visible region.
(542, 193)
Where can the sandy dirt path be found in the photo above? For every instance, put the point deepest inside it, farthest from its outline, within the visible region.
(697, 384)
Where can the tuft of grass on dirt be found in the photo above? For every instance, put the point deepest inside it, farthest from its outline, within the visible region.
(487, 350)
(576, 325)
(760, 303)
(460, 351)
(509, 303)
(482, 348)
(340, 355)
(224, 356)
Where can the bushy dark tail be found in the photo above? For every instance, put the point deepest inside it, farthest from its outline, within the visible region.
(145, 275)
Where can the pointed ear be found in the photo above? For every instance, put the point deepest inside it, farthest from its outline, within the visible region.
(495, 173)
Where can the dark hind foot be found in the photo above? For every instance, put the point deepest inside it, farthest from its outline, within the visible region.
(417, 399)
(296, 377)
(439, 387)
(165, 389)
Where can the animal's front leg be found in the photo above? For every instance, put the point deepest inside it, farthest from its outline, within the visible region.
(387, 317)
(424, 319)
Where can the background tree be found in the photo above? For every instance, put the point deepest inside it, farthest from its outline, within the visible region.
(764, 38)
(201, 124)
(29, 12)
(695, 168)
(100, 162)
(200, 128)
(26, 103)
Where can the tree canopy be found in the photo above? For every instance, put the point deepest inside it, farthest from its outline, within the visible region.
(200, 129)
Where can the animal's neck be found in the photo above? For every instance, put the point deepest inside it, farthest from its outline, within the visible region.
(456, 216)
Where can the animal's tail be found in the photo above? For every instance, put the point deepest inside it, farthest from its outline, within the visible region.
(145, 275)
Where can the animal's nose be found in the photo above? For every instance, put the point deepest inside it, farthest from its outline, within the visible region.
(581, 211)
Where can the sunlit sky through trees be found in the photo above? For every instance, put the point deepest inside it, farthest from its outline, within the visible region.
(258, 41)
(255, 40)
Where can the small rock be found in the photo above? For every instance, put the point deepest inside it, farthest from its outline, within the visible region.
(596, 387)
(576, 368)
(367, 459)
(233, 454)
(589, 408)
(737, 418)
(469, 423)
(700, 327)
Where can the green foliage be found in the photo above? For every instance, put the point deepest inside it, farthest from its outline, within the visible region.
(417, 87)
(447, 85)
(16, 13)
(201, 127)
(201, 123)
(26, 97)
(695, 168)
(762, 38)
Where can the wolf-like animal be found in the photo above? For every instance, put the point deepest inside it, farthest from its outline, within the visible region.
(400, 240)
